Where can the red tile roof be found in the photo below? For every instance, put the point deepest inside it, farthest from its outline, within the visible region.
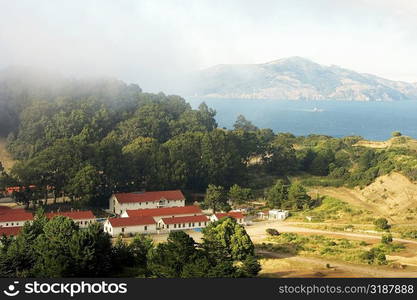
(12, 189)
(233, 214)
(4, 209)
(7, 231)
(149, 196)
(180, 220)
(165, 211)
(74, 215)
(22, 216)
(131, 221)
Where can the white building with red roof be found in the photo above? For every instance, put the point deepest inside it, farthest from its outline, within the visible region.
(238, 216)
(183, 223)
(121, 202)
(165, 212)
(15, 219)
(131, 225)
(82, 218)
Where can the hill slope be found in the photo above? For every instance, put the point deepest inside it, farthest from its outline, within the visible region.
(296, 78)
(392, 196)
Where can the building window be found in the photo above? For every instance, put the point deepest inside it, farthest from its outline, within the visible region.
(183, 225)
(12, 224)
(146, 227)
(167, 226)
(199, 223)
(123, 230)
(175, 225)
(146, 203)
(7, 224)
(189, 224)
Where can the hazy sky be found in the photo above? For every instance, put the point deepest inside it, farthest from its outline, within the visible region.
(155, 42)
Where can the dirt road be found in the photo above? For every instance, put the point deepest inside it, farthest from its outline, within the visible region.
(257, 231)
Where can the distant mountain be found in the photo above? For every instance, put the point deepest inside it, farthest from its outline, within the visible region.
(296, 78)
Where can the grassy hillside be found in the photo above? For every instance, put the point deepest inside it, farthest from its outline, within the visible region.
(391, 196)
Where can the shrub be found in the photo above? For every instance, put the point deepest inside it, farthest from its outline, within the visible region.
(382, 224)
(272, 232)
(409, 234)
(374, 256)
(396, 133)
(386, 239)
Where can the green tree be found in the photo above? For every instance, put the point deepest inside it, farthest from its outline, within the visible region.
(90, 252)
(238, 195)
(167, 260)
(243, 124)
(366, 160)
(276, 196)
(382, 224)
(251, 266)
(220, 158)
(140, 247)
(386, 239)
(226, 238)
(85, 184)
(53, 255)
(297, 197)
(215, 198)
(281, 158)
(320, 164)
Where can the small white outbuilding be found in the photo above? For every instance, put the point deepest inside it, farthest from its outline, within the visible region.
(278, 214)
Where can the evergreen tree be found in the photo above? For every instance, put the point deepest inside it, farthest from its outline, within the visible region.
(276, 196)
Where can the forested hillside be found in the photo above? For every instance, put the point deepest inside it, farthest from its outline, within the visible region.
(89, 138)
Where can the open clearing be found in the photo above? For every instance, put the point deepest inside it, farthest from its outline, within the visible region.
(277, 265)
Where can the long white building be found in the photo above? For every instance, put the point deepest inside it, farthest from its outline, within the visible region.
(183, 223)
(83, 217)
(131, 225)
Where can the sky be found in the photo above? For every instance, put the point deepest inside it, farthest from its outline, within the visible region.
(155, 43)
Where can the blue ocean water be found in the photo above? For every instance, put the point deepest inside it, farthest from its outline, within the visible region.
(371, 120)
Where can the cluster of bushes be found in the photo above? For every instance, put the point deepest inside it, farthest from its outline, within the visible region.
(382, 224)
(412, 234)
(339, 163)
(377, 254)
(348, 250)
